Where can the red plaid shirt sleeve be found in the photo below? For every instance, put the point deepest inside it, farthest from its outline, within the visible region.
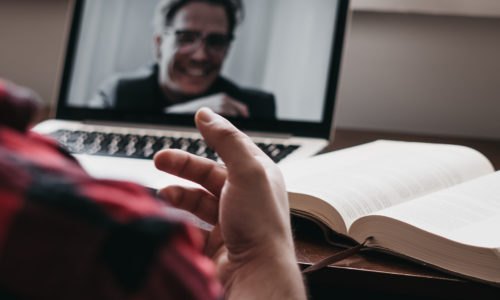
(65, 235)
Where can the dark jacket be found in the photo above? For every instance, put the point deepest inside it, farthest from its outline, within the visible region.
(141, 92)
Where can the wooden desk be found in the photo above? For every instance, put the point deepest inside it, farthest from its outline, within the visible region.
(368, 274)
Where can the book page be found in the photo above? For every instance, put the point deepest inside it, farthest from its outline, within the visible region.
(363, 179)
(468, 213)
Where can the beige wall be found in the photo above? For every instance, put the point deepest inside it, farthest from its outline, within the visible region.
(442, 7)
(402, 72)
(422, 73)
(32, 41)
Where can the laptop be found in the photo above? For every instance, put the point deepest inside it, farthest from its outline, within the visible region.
(288, 50)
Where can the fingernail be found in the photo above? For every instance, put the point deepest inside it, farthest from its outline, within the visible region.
(206, 115)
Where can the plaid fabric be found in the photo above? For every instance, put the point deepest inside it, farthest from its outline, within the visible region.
(64, 235)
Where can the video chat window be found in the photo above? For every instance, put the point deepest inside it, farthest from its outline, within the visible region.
(280, 51)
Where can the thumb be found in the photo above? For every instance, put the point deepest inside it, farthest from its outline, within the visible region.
(232, 145)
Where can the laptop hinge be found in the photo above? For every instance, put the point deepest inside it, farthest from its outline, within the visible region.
(181, 128)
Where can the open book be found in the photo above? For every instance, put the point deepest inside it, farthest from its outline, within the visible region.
(433, 203)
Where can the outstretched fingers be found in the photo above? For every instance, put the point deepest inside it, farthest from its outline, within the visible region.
(197, 201)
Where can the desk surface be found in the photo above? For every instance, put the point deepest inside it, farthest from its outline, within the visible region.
(370, 273)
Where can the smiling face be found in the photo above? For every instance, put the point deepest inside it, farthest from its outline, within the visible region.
(192, 73)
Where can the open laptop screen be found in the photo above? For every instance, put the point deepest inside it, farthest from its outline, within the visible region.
(277, 71)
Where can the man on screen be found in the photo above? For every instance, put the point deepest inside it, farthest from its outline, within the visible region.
(192, 39)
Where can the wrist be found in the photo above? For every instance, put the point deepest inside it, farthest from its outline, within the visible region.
(270, 274)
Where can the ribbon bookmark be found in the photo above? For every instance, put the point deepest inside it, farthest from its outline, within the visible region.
(335, 258)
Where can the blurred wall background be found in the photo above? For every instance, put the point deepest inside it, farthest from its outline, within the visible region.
(32, 42)
(436, 74)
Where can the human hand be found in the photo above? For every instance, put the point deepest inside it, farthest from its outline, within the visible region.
(251, 243)
(219, 103)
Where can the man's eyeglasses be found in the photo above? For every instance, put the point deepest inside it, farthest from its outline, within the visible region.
(188, 41)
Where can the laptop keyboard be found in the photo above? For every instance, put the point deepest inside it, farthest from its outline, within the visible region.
(145, 146)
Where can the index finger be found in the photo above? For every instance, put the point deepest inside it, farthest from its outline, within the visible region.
(232, 146)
